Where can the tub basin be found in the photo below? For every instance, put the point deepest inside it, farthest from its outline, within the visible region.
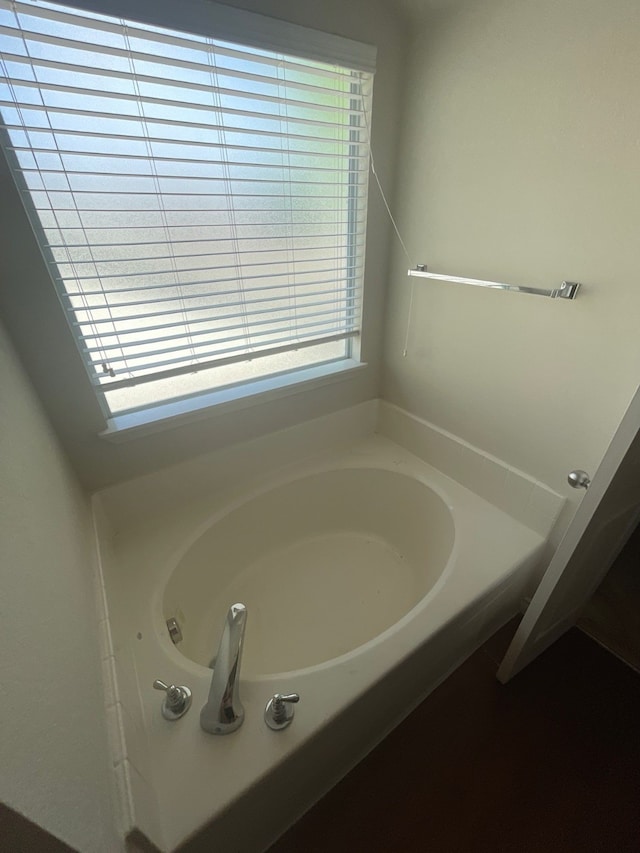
(325, 564)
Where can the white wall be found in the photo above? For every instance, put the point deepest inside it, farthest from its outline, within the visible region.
(54, 767)
(34, 318)
(520, 162)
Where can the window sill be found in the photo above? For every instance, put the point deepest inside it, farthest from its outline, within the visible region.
(233, 398)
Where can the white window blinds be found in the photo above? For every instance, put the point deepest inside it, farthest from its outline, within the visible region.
(199, 202)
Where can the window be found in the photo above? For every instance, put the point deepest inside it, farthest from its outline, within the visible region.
(199, 199)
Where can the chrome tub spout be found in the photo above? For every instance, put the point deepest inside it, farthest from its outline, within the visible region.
(223, 712)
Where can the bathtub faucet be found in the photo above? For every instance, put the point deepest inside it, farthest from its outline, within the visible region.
(223, 712)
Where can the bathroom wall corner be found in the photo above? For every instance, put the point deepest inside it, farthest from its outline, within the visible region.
(135, 803)
(55, 750)
(522, 497)
(101, 535)
(122, 797)
(145, 820)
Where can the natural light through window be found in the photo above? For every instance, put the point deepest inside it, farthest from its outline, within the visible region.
(200, 204)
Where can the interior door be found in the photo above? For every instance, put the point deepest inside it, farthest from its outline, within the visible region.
(600, 527)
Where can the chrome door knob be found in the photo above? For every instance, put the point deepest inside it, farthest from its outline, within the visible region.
(279, 711)
(177, 700)
(579, 479)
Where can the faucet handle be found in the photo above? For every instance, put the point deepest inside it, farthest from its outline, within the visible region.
(286, 697)
(279, 712)
(176, 702)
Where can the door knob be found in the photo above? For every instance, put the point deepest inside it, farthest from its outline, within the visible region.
(579, 479)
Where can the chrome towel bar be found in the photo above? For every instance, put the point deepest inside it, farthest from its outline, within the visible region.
(567, 290)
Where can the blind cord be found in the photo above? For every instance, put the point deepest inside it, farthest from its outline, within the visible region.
(398, 234)
(386, 204)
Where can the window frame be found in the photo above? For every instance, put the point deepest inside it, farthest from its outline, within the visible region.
(245, 392)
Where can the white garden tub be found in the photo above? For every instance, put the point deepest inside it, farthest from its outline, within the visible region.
(324, 563)
(368, 576)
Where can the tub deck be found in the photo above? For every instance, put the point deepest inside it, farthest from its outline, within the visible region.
(175, 778)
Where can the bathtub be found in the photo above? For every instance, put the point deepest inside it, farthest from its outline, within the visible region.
(325, 563)
(368, 576)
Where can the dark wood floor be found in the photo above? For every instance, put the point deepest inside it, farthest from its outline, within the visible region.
(612, 616)
(549, 762)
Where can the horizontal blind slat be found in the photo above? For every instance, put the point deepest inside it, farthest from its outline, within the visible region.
(174, 242)
(128, 260)
(282, 101)
(239, 344)
(286, 195)
(87, 226)
(346, 174)
(291, 273)
(169, 122)
(173, 38)
(139, 330)
(266, 164)
(218, 362)
(142, 101)
(209, 288)
(106, 295)
(303, 291)
(346, 314)
(143, 56)
(125, 137)
(189, 297)
(188, 85)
